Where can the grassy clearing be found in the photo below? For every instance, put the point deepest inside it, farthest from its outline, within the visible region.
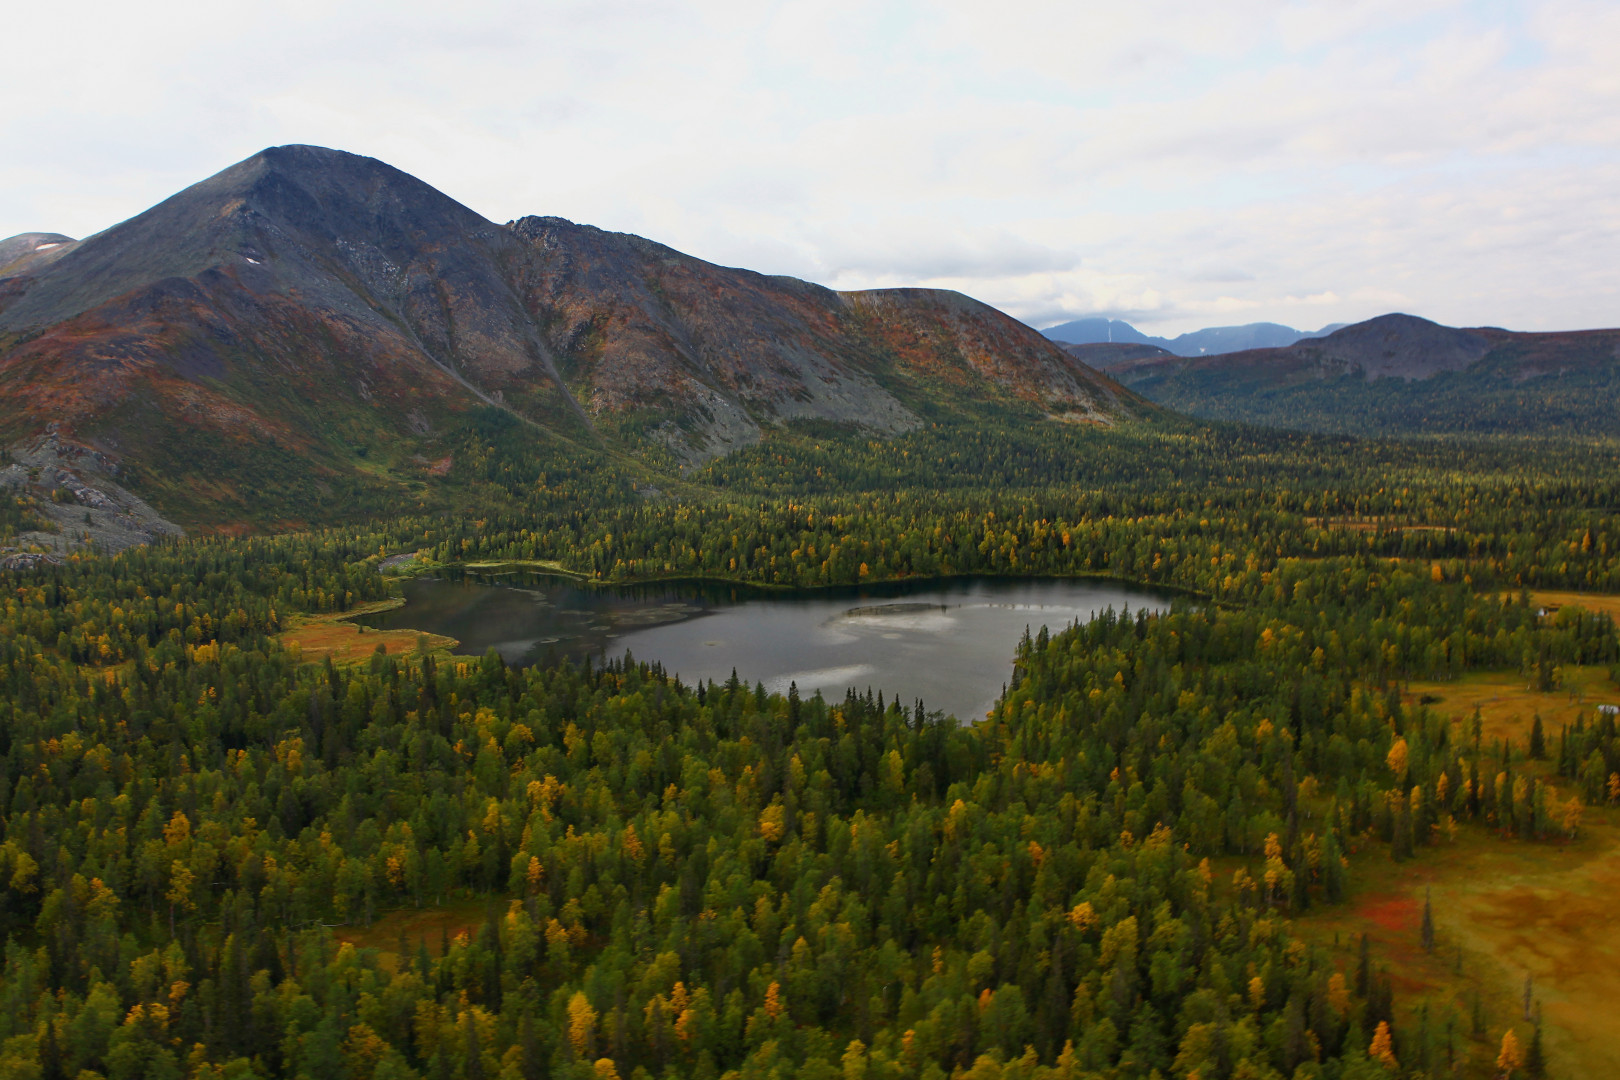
(1508, 705)
(1505, 909)
(417, 926)
(421, 565)
(549, 565)
(1502, 909)
(1597, 603)
(320, 636)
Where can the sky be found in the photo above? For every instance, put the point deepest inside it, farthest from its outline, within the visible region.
(1178, 165)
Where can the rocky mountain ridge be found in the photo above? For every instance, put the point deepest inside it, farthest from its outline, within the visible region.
(325, 311)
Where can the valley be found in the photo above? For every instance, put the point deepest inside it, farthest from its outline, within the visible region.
(538, 653)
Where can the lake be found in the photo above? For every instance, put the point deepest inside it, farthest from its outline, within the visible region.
(949, 642)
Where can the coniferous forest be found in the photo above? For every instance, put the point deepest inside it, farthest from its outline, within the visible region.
(1105, 877)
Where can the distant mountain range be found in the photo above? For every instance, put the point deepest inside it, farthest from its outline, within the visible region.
(1210, 341)
(310, 322)
(1396, 374)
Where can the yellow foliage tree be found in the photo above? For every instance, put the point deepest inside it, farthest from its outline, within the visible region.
(1398, 758)
(1510, 1057)
(581, 1023)
(178, 830)
(1382, 1048)
(773, 822)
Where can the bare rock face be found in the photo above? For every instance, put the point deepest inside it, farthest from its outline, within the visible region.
(710, 354)
(76, 489)
(306, 292)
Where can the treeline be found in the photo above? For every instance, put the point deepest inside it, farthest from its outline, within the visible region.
(1152, 504)
(110, 610)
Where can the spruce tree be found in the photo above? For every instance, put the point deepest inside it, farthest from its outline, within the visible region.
(1535, 1058)
(1428, 923)
(1364, 968)
(473, 1067)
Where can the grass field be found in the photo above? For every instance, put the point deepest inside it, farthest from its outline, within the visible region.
(1508, 907)
(1593, 602)
(1511, 909)
(1508, 705)
(320, 636)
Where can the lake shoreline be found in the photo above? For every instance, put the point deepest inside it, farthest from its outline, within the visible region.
(950, 638)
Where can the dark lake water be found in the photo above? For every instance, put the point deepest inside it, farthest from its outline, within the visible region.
(949, 643)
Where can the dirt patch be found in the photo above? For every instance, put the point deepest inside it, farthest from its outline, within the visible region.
(1529, 915)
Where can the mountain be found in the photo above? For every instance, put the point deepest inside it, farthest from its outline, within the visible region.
(1207, 342)
(20, 252)
(1103, 354)
(1098, 330)
(309, 325)
(1399, 374)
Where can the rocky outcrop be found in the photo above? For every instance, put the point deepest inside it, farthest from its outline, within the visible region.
(76, 490)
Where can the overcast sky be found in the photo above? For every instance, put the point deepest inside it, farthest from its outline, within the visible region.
(1175, 164)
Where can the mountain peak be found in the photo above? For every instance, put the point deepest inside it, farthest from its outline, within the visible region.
(316, 307)
(286, 205)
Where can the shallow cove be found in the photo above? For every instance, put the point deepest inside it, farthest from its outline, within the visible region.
(949, 643)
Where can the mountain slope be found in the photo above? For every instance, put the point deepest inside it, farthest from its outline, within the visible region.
(1398, 374)
(18, 253)
(1103, 354)
(308, 325)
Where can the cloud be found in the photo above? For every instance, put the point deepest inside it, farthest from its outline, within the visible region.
(1172, 161)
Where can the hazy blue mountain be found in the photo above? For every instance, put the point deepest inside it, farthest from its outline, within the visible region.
(1210, 341)
(1098, 330)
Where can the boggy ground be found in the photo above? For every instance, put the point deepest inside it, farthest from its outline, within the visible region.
(414, 927)
(334, 635)
(1509, 908)
(1503, 908)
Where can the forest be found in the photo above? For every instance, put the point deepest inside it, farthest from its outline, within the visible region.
(1103, 878)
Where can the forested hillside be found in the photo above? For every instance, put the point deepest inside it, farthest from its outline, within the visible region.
(1102, 879)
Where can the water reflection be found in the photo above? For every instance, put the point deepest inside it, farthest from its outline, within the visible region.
(948, 643)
